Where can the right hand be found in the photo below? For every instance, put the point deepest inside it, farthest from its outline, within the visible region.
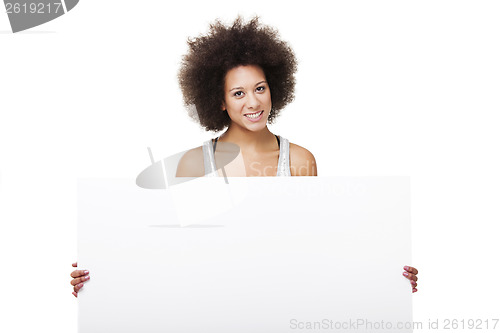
(79, 277)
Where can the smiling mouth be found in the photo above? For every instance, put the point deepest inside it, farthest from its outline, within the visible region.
(254, 115)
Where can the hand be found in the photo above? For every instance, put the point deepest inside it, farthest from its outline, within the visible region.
(411, 274)
(79, 277)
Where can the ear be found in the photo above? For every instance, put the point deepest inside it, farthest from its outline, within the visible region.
(223, 106)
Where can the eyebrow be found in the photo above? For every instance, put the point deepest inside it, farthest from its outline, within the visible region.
(264, 81)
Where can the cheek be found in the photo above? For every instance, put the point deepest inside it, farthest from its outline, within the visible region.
(236, 103)
(268, 98)
(232, 107)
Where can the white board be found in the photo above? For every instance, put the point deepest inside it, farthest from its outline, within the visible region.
(278, 255)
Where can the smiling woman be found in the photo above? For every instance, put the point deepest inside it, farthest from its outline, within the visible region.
(240, 77)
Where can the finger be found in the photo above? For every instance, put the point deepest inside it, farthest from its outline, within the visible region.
(79, 273)
(415, 290)
(74, 264)
(413, 283)
(79, 280)
(75, 294)
(410, 276)
(76, 281)
(410, 269)
(78, 287)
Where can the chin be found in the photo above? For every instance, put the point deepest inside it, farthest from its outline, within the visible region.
(256, 127)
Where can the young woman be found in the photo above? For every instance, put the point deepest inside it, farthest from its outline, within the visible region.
(240, 77)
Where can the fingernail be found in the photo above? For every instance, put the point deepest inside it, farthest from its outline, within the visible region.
(413, 282)
(85, 272)
(406, 268)
(80, 285)
(86, 277)
(405, 274)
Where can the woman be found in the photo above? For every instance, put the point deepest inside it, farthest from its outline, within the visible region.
(240, 77)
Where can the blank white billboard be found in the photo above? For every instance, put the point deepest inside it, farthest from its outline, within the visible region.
(252, 255)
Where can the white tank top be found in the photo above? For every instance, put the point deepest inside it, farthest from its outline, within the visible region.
(283, 161)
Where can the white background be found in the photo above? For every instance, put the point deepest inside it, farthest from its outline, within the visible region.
(383, 88)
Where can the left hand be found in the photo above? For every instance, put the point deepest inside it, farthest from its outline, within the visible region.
(411, 274)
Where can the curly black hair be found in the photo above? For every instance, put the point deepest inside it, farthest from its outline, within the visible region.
(211, 56)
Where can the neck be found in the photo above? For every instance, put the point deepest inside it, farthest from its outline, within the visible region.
(249, 140)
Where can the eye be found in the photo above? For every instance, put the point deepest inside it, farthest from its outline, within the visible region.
(238, 94)
(260, 88)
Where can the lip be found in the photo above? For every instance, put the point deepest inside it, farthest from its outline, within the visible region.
(254, 120)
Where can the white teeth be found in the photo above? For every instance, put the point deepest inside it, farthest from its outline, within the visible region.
(254, 115)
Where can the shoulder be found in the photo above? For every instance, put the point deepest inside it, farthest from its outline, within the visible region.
(302, 161)
(191, 164)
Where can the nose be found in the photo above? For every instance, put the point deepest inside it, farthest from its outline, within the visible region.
(253, 101)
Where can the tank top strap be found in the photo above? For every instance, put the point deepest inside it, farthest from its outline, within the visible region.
(209, 159)
(284, 158)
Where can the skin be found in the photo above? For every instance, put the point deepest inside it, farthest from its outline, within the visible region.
(246, 91)
(79, 278)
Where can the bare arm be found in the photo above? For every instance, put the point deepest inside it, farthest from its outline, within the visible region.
(302, 161)
(191, 164)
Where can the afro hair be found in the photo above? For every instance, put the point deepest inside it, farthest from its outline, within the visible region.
(211, 56)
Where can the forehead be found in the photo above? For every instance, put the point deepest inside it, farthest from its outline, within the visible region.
(244, 75)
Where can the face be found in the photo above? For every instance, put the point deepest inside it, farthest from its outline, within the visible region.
(247, 97)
